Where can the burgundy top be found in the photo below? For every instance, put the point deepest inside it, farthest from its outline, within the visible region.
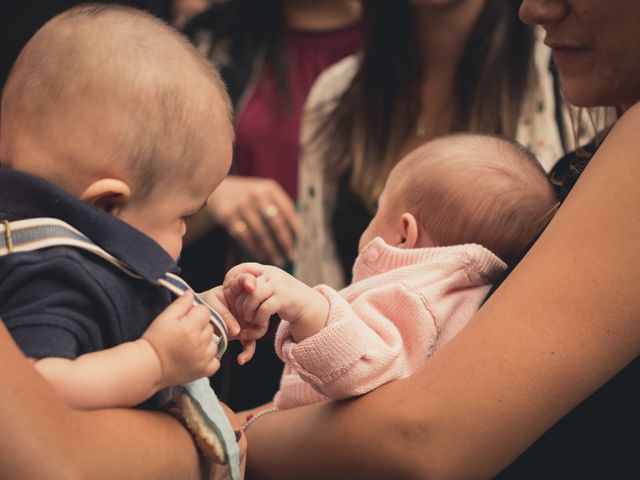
(268, 128)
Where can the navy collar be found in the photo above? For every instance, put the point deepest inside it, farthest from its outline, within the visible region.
(26, 196)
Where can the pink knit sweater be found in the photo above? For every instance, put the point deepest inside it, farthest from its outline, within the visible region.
(402, 306)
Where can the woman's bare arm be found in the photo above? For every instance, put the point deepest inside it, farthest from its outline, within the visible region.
(563, 324)
(43, 438)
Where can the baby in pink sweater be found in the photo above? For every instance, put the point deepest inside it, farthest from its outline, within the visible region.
(451, 214)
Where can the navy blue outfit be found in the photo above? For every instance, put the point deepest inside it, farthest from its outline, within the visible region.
(65, 302)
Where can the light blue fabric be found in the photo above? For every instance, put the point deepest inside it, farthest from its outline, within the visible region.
(211, 411)
(203, 395)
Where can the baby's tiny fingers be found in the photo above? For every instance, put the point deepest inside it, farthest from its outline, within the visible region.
(254, 269)
(211, 349)
(252, 332)
(235, 286)
(269, 307)
(263, 292)
(248, 281)
(216, 302)
(248, 350)
(238, 306)
(262, 317)
(198, 317)
(179, 307)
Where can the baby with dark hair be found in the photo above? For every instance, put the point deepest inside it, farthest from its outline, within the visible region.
(452, 214)
(114, 130)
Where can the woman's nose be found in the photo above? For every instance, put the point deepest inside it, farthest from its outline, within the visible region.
(542, 12)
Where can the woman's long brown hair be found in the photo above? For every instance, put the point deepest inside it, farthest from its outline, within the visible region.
(363, 136)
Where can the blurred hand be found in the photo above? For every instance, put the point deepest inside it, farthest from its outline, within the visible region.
(184, 10)
(259, 214)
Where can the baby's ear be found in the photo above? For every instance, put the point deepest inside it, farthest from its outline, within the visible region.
(108, 194)
(409, 231)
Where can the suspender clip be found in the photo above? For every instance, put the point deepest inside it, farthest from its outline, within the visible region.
(7, 235)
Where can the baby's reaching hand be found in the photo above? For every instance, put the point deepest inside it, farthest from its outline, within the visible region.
(182, 339)
(254, 292)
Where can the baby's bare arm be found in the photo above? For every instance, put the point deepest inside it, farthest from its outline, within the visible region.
(121, 376)
(176, 348)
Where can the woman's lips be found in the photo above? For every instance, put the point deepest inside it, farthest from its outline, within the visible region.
(565, 53)
(562, 56)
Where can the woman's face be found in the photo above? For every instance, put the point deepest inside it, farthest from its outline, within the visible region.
(595, 46)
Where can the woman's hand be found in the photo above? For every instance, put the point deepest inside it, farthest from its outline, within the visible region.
(259, 214)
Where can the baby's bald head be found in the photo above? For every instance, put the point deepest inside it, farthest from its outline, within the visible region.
(468, 188)
(104, 90)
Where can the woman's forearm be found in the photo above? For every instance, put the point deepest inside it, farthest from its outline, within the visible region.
(339, 440)
(43, 438)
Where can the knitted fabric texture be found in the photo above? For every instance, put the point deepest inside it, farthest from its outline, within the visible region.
(403, 306)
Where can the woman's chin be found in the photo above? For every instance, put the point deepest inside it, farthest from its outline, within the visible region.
(582, 94)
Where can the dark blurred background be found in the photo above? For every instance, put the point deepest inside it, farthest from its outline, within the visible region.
(20, 19)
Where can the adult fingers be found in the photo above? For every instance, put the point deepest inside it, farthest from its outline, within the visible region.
(280, 232)
(261, 237)
(280, 216)
(242, 231)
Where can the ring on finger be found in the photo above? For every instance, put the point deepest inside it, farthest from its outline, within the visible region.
(271, 211)
(238, 227)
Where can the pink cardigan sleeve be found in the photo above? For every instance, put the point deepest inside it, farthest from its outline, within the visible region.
(385, 334)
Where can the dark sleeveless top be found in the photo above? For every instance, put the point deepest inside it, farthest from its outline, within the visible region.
(600, 438)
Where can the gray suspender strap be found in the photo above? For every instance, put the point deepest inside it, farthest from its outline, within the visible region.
(38, 233)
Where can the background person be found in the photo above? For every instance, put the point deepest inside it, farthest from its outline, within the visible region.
(428, 68)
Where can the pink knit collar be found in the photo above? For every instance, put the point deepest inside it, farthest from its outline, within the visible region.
(379, 257)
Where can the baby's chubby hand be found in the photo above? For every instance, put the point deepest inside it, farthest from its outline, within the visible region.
(181, 337)
(254, 292)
